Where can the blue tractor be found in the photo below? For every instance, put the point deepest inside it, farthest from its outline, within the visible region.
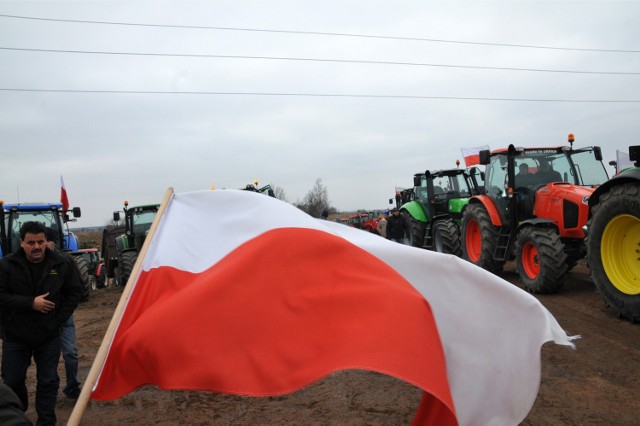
(53, 217)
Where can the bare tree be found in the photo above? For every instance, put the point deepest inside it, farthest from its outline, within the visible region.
(279, 192)
(316, 200)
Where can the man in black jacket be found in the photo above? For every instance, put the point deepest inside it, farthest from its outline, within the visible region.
(39, 290)
(396, 227)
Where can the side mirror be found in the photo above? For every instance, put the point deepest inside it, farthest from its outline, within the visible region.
(116, 216)
(416, 180)
(76, 212)
(597, 152)
(634, 153)
(390, 200)
(485, 156)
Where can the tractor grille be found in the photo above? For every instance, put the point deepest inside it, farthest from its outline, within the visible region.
(570, 211)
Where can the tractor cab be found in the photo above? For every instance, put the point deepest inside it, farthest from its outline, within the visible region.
(539, 171)
(50, 215)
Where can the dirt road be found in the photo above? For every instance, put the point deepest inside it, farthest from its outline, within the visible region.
(597, 384)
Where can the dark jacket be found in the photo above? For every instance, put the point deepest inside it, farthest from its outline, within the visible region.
(396, 226)
(20, 323)
(11, 413)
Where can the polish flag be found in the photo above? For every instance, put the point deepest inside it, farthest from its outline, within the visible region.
(471, 154)
(64, 199)
(245, 294)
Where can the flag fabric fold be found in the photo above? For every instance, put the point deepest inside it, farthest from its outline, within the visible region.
(245, 294)
(64, 199)
(471, 154)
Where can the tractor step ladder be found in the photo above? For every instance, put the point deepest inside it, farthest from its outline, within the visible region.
(502, 246)
(428, 238)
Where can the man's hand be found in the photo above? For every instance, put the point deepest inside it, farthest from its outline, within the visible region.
(43, 305)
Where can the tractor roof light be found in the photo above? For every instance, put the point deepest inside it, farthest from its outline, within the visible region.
(126, 203)
(510, 192)
(571, 138)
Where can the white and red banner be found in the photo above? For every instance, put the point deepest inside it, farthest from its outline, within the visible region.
(64, 198)
(244, 294)
(471, 154)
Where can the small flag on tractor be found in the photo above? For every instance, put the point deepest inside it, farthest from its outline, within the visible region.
(471, 154)
(64, 199)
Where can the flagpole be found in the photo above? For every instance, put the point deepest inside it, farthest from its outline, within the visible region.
(98, 362)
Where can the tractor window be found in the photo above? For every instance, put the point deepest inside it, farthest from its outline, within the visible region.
(496, 174)
(142, 222)
(18, 218)
(441, 185)
(589, 171)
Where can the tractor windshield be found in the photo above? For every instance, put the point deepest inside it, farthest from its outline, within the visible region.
(449, 186)
(588, 170)
(142, 221)
(18, 217)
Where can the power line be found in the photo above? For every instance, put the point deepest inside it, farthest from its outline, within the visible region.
(320, 33)
(351, 61)
(319, 95)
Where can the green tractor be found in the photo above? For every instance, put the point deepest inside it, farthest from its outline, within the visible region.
(613, 239)
(433, 207)
(121, 245)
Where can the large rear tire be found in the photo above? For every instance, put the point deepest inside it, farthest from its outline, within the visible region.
(126, 265)
(541, 260)
(83, 271)
(613, 245)
(479, 238)
(446, 237)
(417, 230)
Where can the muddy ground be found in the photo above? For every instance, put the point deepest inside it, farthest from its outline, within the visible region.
(597, 384)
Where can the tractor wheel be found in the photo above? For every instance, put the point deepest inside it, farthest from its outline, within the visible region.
(101, 281)
(418, 230)
(613, 247)
(118, 276)
(93, 282)
(128, 260)
(446, 237)
(479, 238)
(83, 270)
(541, 260)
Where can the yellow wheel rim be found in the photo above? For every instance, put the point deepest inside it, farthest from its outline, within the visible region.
(620, 252)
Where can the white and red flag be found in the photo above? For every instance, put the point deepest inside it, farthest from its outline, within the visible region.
(64, 198)
(244, 294)
(471, 154)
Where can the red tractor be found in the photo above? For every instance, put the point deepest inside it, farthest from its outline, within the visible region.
(539, 218)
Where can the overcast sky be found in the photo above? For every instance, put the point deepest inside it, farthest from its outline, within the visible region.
(422, 84)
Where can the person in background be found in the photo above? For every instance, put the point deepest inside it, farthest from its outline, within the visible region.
(382, 226)
(396, 227)
(67, 335)
(39, 290)
(546, 174)
(524, 178)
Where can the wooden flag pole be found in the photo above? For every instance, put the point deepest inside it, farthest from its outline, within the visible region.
(98, 362)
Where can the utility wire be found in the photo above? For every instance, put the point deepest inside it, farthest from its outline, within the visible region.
(351, 61)
(433, 40)
(319, 95)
